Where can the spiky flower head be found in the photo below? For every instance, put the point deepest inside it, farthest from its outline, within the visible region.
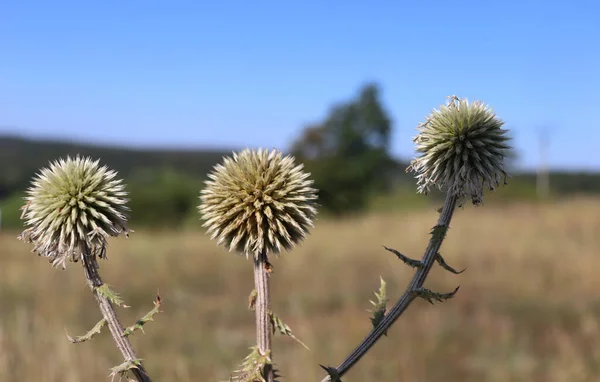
(71, 204)
(462, 148)
(258, 201)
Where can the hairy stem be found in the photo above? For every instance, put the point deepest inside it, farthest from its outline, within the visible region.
(407, 298)
(262, 309)
(90, 265)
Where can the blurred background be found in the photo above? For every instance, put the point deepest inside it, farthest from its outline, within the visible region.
(161, 91)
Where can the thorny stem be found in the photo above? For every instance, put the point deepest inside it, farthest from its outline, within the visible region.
(90, 265)
(408, 296)
(262, 309)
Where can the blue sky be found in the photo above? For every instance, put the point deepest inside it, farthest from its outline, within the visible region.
(232, 74)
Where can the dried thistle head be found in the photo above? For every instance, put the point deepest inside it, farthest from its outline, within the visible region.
(462, 148)
(73, 202)
(258, 202)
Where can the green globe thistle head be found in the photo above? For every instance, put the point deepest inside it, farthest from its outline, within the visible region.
(258, 201)
(462, 147)
(71, 204)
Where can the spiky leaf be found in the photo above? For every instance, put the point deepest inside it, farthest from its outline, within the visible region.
(145, 319)
(252, 368)
(379, 305)
(278, 325)
(430, 296)
(406, 260)
(90, 334)
(444, 265)
(105, 291)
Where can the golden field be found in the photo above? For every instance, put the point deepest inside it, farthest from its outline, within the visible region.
(528, 308)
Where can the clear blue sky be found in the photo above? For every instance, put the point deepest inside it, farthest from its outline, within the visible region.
(240, 73)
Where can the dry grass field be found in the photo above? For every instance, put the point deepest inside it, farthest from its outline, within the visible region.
(528, 308)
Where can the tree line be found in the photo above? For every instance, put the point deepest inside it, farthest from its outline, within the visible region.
(347, 153)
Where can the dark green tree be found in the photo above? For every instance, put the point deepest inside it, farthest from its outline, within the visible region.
(348, 153)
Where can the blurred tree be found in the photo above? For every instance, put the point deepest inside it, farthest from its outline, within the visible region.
(348, 153)
(162, 197)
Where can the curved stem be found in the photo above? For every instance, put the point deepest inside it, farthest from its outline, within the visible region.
(90, 266)
(262, 309)
(407, 298)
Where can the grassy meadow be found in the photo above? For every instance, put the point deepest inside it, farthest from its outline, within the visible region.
(528, 308)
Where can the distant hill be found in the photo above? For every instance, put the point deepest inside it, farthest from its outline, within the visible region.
(164, 184)
(21, 158)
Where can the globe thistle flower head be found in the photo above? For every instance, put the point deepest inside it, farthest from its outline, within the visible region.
(258, 201)
(462, 147)
(72, 203)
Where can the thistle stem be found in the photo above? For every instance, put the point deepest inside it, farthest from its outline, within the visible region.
(262, 309)
(90, 266)
(408, 297)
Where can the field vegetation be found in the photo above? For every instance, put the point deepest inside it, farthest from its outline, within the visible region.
(528, 308)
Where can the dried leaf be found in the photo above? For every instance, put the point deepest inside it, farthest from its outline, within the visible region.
(252, 299)
(278, 324)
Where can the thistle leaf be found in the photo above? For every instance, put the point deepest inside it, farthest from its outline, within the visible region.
(105, 291)
(444, 265)
(406, 260)
(283, 328)
(252, 367)
(123, 368)
(380, 305)
(145, 319)
(431, 296)
(439, 232)
(252, 299)
(91, 333)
